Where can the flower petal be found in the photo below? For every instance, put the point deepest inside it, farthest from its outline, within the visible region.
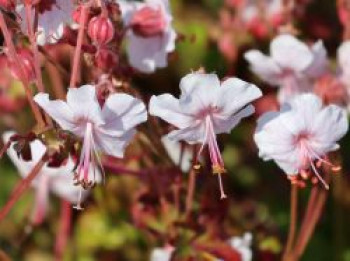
(168, 108)
(192, 135)
(263, 66)
(84, 104)
(122, 112)
(319, 64)
(291, 53)
(58, 110)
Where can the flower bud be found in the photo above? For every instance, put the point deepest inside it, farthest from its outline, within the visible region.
(101, 30)
(8, 5)
(106, 59)
(148, 22)
(27, 65)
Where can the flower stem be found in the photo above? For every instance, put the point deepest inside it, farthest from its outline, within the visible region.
(293, 221)
(190, 191)
(77, 53)
(64, 229)
(13, 56)
(22, 187)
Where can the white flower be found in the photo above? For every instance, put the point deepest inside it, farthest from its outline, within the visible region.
(56, 180)
(108, 129)
(152, 36)
(251, 10)
(162, 254)
(302, 133)
(243, 246)
(206, 107)
(291, 66)
(52, 18)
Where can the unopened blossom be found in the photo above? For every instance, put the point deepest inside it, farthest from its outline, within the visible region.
(291, 65)
(151, 36)
(300, 135)
(258, 16)
(108, 129)
(53, 16)
(206, 108)
(162, 253)
(50, 179)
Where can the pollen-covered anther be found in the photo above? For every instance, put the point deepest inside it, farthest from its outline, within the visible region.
(218, 169)
(197, 166)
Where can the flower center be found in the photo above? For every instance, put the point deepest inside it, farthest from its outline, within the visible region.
(217, 162)
(311, 160)
(87, 163)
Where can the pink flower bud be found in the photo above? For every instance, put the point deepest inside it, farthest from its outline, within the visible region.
(8, 5)
(106, 59)
(148, 22)
(101, 30)
(27, 65)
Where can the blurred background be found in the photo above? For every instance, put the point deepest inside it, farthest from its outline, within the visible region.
(258, 191)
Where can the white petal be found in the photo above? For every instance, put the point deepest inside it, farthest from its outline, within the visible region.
(320, 62)
(113, 145)
(122, 112)
(235, 94)
(58, 110)
(197, 83)
(168, 108)
(192, 135)
(291, 53)
(329, 126)
(161, 254)
(265, 67)
(226, 124)
(83, 102)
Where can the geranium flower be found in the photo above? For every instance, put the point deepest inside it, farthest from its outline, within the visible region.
(56, 180)
(299, 137)
(151, 36)
(53, 16)
(206, 107)
(291, 66)
(108, 129)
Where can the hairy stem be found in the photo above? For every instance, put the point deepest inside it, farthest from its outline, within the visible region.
(13, 56)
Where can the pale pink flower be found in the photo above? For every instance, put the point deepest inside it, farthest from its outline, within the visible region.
(206, 108)
(151, 36)
(299, 137)
(53, 16)
(58, 180)
(291, 65)
(162, 253)
(108, 129)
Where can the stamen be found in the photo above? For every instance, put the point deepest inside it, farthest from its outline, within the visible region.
(222, 192)
(326, 186)
(78, 205)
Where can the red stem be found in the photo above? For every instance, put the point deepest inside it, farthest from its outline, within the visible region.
(22, 187)
(77, 53)
(13, 56)
(64, 229)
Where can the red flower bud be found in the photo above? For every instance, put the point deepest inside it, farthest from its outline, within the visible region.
(148, 22)
(101, 30)
(8, 5)
(106, 59)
